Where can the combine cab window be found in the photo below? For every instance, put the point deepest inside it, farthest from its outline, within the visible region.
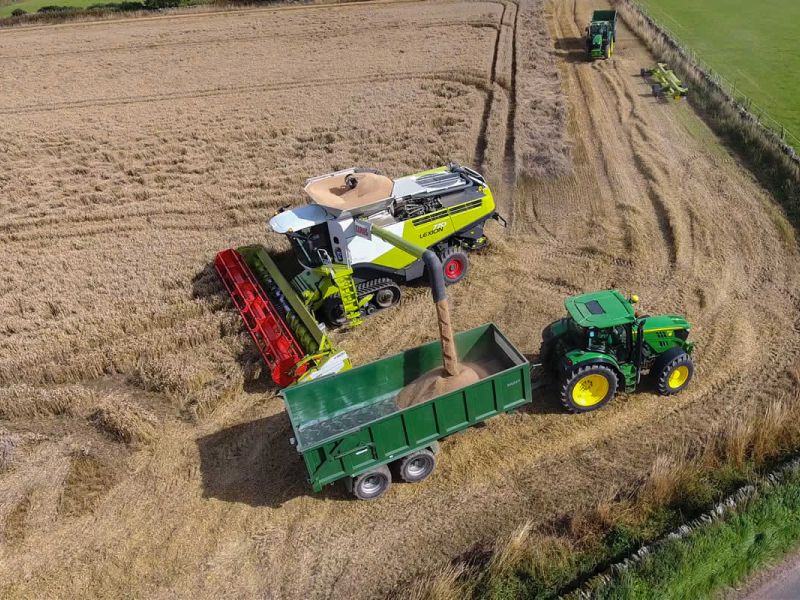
(308, 243)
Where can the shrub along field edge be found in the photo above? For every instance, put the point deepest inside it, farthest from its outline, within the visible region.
(773, 163)
(749, 531)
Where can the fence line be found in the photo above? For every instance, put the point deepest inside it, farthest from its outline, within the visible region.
(789, 142)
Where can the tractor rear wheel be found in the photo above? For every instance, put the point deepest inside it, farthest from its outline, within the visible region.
(588, 388)
(372, 484)
(417, 466)
(455, 264)
(673, 372)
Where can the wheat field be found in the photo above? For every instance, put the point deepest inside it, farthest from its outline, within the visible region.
(142, 451)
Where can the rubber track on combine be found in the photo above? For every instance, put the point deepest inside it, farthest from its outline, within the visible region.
(272, 337)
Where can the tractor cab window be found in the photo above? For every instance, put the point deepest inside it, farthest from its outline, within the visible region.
(312, 246)
(578, 336)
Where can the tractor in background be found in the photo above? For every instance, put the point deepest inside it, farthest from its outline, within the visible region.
(603, 345)
(601, 34)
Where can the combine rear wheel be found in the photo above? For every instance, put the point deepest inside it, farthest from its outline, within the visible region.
(455, 264)
(673, 371)
(588, 388)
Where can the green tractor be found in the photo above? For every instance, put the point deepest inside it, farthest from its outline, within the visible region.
(604, 345)
(601, 34)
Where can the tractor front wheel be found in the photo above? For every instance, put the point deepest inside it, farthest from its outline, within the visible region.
(588, 388)
(455, 264)
(673, 373)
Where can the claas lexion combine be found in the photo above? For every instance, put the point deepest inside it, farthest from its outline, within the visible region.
(343, 273)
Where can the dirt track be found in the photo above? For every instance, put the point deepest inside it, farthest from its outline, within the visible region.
(218, 505)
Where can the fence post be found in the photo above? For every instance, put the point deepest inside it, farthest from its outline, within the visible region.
(783, 133)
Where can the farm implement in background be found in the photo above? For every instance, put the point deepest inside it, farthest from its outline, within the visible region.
(342, 273)
(664, 83)
(601, 34)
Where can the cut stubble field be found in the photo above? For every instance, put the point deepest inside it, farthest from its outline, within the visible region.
(141, 453)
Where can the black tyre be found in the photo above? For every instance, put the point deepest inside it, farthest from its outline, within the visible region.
(455, 264)
(372, 484)
(417, 466)
(656, 90)
(333, 312)
(673, 371)
(386, 297)
(588, 388)
(644, 72)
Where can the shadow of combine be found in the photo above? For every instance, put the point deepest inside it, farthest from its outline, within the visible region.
(572, 49)
(255, 464)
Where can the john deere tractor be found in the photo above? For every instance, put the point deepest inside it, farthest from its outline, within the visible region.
(601, 34)
(604, 345)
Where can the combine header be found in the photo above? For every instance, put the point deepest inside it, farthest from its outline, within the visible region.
(664, 82)
(289, 339)
(343, 273)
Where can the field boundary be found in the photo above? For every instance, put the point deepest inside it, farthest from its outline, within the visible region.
(732, 505)
(774, 162)
(748, 110)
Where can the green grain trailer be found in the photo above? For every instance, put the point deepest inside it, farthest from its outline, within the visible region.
(601, 34)
(349, 427)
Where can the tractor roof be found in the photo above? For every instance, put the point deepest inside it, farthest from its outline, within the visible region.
(603, 309)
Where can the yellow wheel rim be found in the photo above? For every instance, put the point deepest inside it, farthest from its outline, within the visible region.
(678, 377)
(590, 390)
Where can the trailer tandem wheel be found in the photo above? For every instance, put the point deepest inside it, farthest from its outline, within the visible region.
(417, 466)
(372, 484)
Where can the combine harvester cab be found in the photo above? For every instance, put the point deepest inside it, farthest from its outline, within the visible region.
(601, 34)
(342, 272)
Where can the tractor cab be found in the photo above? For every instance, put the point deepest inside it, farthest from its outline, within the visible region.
(603, 344)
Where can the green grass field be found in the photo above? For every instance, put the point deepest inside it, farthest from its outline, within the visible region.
(751, 43)
(719, 555)
(32, 6)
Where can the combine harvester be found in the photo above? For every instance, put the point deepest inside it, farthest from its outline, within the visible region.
(664, 82)
(342, 273)
(601, 34)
